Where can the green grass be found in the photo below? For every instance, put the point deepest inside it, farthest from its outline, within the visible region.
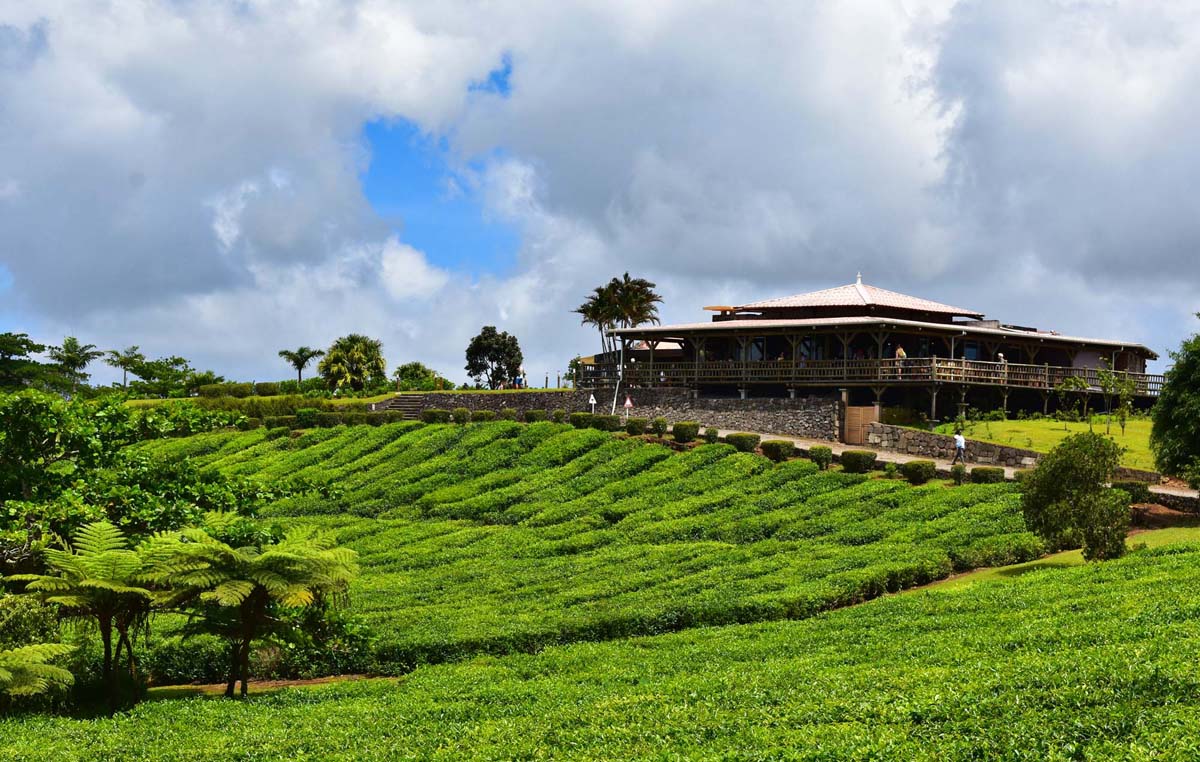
(1093, 662)
(1043, 435)
(504, 537)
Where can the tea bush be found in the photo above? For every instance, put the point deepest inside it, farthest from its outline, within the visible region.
(711, 435)
(778, 450)
(858, 461)
(742, 441)
(636, 426)
(918, 472)
(658, 426)
(685, 431)
(483, 416)
(821, 455)
(460, 415)
(987, 474)
(580, 420)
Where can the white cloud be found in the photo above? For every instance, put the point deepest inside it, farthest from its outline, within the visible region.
(406, 274)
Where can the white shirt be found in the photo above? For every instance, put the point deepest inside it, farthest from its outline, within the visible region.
(960, 441)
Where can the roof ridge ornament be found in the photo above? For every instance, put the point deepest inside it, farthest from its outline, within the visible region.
(859, 277)
(862, 292)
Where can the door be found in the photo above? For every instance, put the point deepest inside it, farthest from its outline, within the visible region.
(857, 419)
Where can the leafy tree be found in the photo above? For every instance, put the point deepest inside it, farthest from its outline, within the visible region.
(299, 359)
(574, 372)
(164, 377)
(236, 590)
(1068, 402)
(27, 671)
(494, 356)
(414, 376)
(73, 358)
(1119, 385)
(1065, 500)
(17, 368)
(1175, 435)
(126, 360)
(625, 302)
(96, 581)
(354, 361)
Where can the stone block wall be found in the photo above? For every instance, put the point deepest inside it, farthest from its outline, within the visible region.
(926, 444)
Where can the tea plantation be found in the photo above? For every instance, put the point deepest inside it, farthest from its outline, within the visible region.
(504, 537)
(1093, 662)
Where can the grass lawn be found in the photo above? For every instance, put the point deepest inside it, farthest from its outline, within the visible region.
(1044, 435)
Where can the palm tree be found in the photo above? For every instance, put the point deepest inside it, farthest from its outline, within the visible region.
(355, 361)
(96, 581)
(128, 360)
(300, 358)
(236, 592)
(625, 301)
(26, 671)
(74, 358)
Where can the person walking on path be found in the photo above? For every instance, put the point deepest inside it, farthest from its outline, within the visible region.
(960, 448)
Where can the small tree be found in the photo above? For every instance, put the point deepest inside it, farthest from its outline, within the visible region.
(1109, 380)
(1126, 388)
(73, 359)
(1066, 502)
(1067, 390)
(299, 359)
(354, 361)
(494, 356)
(126, 360)
(1175, 436)
(18, 369)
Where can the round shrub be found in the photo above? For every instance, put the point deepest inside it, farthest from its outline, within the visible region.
(507, 414)
(435, 415)
(821, 455)
(685, 431)
(1021, 474)
(306, 417)
(987, 474)
(534, 416)
(743, 441)
(211, 390)
(958, 472)
(711, 435)
(460, 415)
(606, 422)
(918, 471)
(483, 416)
(581, 420)
(659, 426)
(858, 461)
(239, 390)
(559, 416)
(890, 470)
(1139, 492)
(635, 427)
(779, 450)
(266, 389)
(278, 432)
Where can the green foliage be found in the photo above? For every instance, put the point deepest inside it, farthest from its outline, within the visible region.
(987, 474)
(821, 455)
(306, 417)
(636, 427)
(779, 450)
(27, 671)
(858, 461)
(1065, 500)
(890, 470)
(415, 377)
(73, 358)
(559, 416)
(958, 473)
(742, 441)
(354, 362)
(685, 431)
(460, 415)
(299, 359)
(494, 356)
(711, 435)
(266, 388)
(535, 416)
(1139, 492)
(18, 369)
(658, 426)
(435, 415)
(918, 472)
(605, 422)
(482, 416)
(24, 621)
(1175, 436)
(622, 301)
(580, 420)
(506, 414)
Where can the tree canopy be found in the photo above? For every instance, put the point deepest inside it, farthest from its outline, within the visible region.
(18, 369)
(354, 362)
(494, 356)
(299, 359)
(415, 376)
(1175, 436)
(73, 358)
(624, 302)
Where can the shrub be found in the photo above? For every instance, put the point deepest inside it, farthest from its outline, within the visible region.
(821, 455)
(239, 390)
(581, 420)
(460, 415)
(535, 416)
(890, 471)
(1139, 492)
(349, 419)
(435, 415)
(329, 420)
(858, 461)
(606, 422)
(507, 414)
(559, 416)
(482, 416)
(211, 390)
(635, 427)
(250, 423)
(919, 471)
(1021, 474)
(987, 474)
(742, 441)
(26, 621)
(958, 472)
(685, 431)
(266, 389)
(659, 426)
(306, 417)
(277, 432)
(779, 450)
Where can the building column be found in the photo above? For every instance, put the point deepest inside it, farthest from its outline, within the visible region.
(742, 392)
(933, 393)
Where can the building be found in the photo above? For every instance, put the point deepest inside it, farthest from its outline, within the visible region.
(875, 347)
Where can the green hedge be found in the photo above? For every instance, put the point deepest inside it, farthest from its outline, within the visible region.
(435, 415)
(483, 416)
(306, 417)
(460, 415)
(711, 435)
(685, 431)
(266, 389)
(559, 416)
(987, 474)
(1139, 492)
(507, 414)
(606, 422)
(743, 442)
(821, 455)
(580, 420)
(779, 450)
(858, 461)
(659, 426)
(918, 471)
(636, 426)
(958, 472)
(536, 416)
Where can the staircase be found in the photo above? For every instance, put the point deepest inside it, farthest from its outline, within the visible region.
(408, 404)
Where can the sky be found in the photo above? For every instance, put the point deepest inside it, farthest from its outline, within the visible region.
(221, 179)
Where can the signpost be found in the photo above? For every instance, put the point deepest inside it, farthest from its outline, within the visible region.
(592, 402)
(628, 407)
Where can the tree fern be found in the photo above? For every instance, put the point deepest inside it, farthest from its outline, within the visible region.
(26, 671)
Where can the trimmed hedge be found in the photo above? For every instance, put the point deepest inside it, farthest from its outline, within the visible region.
(483, 416)
(918, 472)
(659, 426)
(711, 435)
(742, 441)
(460, 415)
(958, 472)
(821, 455)
(559, 416)
(580, 420)
(266, 389)
(987, 474)
(635, 427)
(685, 431)
(1139, 492)
(306, 417)
(858, 461)
(779, 450)
(535, 416)
(507, 414)
(435, 415)
(606, 422)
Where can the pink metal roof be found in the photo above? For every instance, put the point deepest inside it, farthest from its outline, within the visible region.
(859, 295)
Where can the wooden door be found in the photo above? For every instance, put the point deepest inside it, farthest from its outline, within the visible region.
(857, 419)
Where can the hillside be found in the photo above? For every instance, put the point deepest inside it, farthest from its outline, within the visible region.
(1094, 662)
(504, 537)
